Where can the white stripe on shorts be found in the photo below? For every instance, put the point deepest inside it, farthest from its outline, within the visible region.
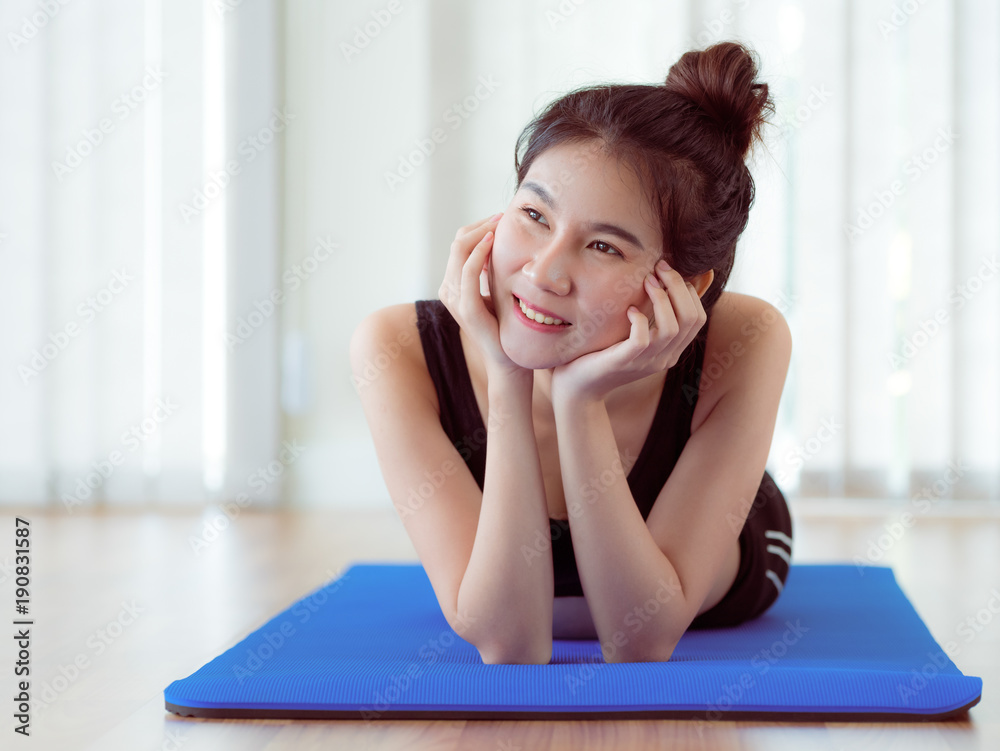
(776, 534)
(778, 550)
(776, 579)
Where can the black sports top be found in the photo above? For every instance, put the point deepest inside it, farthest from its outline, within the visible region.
(463, 424)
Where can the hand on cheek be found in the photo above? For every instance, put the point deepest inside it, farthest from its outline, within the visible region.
(647, 305)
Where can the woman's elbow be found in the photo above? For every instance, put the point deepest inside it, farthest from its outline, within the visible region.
(640, 657)
(517, 654)
(656, 653)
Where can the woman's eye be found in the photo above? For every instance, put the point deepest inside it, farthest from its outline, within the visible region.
(535, 216)
(531, 212)
(608, 247)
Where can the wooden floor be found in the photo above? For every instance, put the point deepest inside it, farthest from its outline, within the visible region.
(125, 596)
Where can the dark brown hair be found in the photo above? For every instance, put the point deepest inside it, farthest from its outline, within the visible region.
(687, 139)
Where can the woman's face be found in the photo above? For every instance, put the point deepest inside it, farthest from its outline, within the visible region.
(576, 240)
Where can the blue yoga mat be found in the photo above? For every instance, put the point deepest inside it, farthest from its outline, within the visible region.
(841, 643)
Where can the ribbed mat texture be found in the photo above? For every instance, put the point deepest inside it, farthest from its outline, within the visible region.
(841, 642)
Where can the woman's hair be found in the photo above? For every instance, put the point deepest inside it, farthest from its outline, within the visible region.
(686, 139)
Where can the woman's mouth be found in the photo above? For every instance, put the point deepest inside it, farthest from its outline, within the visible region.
(537, 321)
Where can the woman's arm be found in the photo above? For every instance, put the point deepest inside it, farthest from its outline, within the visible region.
(508, 590)
(466, 541)
(621, 567)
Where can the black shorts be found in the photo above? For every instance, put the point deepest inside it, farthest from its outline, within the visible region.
(765, 557)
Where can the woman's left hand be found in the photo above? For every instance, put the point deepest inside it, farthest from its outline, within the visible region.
(678, 316)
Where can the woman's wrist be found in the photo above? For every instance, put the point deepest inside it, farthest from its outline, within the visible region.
(503, 382)
(575, 407)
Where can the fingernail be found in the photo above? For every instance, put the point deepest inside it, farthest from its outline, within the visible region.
(662, 265)
(654, 281)
(496, 216)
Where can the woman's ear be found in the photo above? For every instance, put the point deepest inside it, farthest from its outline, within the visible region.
(703, 281)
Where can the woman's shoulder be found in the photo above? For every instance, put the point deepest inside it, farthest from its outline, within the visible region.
(742, 324)
(744, 332)
(740, 321)
(388, 339)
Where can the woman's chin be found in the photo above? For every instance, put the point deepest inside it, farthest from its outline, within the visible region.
(535, 360)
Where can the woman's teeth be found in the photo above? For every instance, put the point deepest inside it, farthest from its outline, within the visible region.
(539, 317)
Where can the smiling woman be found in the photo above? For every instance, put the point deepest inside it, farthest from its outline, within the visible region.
(612, 502)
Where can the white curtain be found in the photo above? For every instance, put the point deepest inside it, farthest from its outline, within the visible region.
(138, 225)
(876, 229)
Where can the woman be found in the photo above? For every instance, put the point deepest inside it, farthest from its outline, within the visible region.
(628, 402)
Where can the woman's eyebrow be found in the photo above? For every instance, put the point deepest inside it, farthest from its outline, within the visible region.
(611, 229)
(540, 191)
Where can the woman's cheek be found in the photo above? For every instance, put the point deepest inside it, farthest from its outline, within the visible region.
(637, 295)
(496, 268)
(500, 256)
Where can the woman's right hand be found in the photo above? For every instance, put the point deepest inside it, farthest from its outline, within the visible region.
(461, 294)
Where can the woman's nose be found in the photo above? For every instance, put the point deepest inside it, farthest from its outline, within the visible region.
(547, 270)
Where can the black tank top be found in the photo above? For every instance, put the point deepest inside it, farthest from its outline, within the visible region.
(463, 424)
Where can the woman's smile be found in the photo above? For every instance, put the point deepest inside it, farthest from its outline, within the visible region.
(536, 319)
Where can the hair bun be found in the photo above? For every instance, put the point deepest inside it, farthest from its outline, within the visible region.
(721, 82)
